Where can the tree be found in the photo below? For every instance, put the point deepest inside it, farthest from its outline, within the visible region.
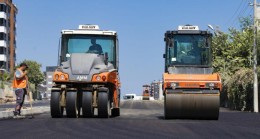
(232, 51)
(4, 77)
(232, 58)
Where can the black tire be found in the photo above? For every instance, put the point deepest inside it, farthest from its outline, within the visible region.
(71, 104)
(56, 109)
(103, 105)
(79, 103)
(87, 105)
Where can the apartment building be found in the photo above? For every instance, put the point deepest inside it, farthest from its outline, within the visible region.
(8, 12)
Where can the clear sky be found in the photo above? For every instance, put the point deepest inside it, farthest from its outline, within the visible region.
(140, 24)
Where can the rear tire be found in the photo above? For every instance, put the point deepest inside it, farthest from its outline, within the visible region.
(71, 105)
(103, 105)
(56, 109)
(87, 105)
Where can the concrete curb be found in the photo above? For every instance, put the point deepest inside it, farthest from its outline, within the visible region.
(27, 111)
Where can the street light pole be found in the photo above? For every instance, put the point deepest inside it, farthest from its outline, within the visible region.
(255, 61)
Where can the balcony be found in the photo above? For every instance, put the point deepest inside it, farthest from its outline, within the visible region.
(3, 29)
(2, 43)
(2, 57)
(3, 15)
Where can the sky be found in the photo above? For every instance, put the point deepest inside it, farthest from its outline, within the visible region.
(140, 24)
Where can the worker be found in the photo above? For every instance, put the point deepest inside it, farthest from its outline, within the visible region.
(96, 48)
(20, 84)
(195, 53)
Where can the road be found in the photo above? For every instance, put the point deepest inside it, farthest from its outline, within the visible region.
(139, 119)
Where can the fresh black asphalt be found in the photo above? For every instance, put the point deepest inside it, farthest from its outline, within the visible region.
(139, 119)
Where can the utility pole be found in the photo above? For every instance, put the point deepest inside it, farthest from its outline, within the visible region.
(255, 60)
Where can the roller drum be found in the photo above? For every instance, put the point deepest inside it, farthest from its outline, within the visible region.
(146, 98)
(192, 106)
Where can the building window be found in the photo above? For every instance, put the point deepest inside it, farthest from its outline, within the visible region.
(2, 50)
(8, 66)
(2, 36)
(2, 8)
(8, 8)
(2, 22)
(15, 17)
(8, 23)
(2, 64)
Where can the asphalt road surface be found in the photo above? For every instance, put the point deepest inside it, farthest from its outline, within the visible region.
(139, 119)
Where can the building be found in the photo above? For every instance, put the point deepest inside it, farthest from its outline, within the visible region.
(8, 13)
(156, 90)
(49, 73)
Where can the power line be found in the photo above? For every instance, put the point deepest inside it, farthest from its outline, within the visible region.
(242, 12)
(230, 19)
(250, 12)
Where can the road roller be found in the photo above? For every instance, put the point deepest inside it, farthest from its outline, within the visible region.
(146, 92)
(191, 88)
(86, 82)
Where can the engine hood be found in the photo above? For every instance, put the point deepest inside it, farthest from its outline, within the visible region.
(82, 66)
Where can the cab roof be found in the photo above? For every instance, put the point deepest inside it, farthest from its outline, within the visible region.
(89, 29)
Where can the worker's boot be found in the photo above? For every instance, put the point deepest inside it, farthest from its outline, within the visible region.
(17, 114)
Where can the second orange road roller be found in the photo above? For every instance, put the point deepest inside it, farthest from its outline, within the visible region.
(146, 92)
(191, 88)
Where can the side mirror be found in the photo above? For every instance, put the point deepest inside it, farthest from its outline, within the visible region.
(164, 55)
(106, 58)
(170, 44)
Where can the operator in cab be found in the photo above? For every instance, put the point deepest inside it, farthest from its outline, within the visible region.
(95, 48)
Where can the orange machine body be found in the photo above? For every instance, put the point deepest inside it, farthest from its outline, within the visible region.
(192, 81)
(102, 78)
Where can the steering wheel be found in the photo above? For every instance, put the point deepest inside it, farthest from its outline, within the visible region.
(92, 51)
(190, 52)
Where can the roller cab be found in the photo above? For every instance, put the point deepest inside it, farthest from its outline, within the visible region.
(191, 89)
(87, 79)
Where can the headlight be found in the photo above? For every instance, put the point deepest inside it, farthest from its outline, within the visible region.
(56, 77)
(62, 77)
(98, 78)
(211, 84)
(174, 85)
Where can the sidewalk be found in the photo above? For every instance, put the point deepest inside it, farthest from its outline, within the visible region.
(8, 113)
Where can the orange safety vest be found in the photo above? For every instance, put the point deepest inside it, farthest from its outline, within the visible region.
(19, 83)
